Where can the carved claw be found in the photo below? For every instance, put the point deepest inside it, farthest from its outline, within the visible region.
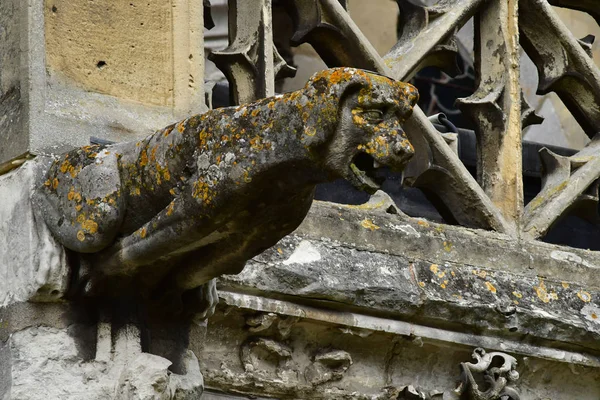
(201, 301)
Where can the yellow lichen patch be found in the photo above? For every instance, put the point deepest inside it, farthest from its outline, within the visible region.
(168, 130)
(448, 246)
(90, 226)
(542, 292)
(153, 153)
(180, 127)
(279, 250)
(81, 218)
(423, 223)
(202, 191)
(257, 143)
(54, 183)
(80, 236)
(368, 224)
(584, 296)
(594, 316)
(170, 208)
(517, 295)
(78, 207)
(135, 191)
(310, 131)
(255, 112)
(64, 167)
(434, 268)
(246, 176)
(47, 183)
(482, 274)
(143, 158)
(565, 285)
(490, 287)
(143, 232)
(443, 285)
(422, 284)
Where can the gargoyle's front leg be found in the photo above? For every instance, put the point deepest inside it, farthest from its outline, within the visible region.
(189, 287)
(176, 229)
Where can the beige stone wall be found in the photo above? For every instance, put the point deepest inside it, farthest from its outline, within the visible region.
(121, 48)
(377, 19)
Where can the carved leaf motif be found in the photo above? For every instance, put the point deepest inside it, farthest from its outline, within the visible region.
(568, 184)
(564, 66)
(251, 62)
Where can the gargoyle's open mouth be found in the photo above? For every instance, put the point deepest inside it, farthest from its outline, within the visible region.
(364, 168)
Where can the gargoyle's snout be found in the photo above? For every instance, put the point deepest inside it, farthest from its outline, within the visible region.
(403, 152)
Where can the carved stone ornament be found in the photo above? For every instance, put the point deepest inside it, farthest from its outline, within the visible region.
(497, 370)
(199, 198)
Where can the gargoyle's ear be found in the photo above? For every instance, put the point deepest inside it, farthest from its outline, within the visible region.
(325, 92)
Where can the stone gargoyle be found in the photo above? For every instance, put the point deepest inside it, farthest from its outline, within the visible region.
(199, 198)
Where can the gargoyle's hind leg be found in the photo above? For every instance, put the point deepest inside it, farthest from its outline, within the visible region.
(185, 221)
(81, 201)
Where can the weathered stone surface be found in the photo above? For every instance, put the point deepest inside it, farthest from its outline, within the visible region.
(63, 360)
(13, 141)
(32, 263)
(440, 276)
(139, 33)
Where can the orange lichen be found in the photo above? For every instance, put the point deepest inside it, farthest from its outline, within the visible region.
(90, 226)
(143, 158)
(490, 287)
(170, 208)
(368, 224)
(584, 296)
(543, 294)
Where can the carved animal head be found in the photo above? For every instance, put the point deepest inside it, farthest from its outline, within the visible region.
(357, 128)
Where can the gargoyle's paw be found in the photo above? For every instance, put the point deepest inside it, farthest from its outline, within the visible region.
(201, 301)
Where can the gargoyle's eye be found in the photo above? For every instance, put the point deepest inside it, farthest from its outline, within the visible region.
(373, 115)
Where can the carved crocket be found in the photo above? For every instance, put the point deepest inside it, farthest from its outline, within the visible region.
(199, 198)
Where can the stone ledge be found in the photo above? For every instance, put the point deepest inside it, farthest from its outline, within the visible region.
(457, 279)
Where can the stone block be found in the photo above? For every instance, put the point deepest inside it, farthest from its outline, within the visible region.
(72, 70)
(32, 264)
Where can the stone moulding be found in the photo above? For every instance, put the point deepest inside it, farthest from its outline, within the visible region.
(525, 297)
